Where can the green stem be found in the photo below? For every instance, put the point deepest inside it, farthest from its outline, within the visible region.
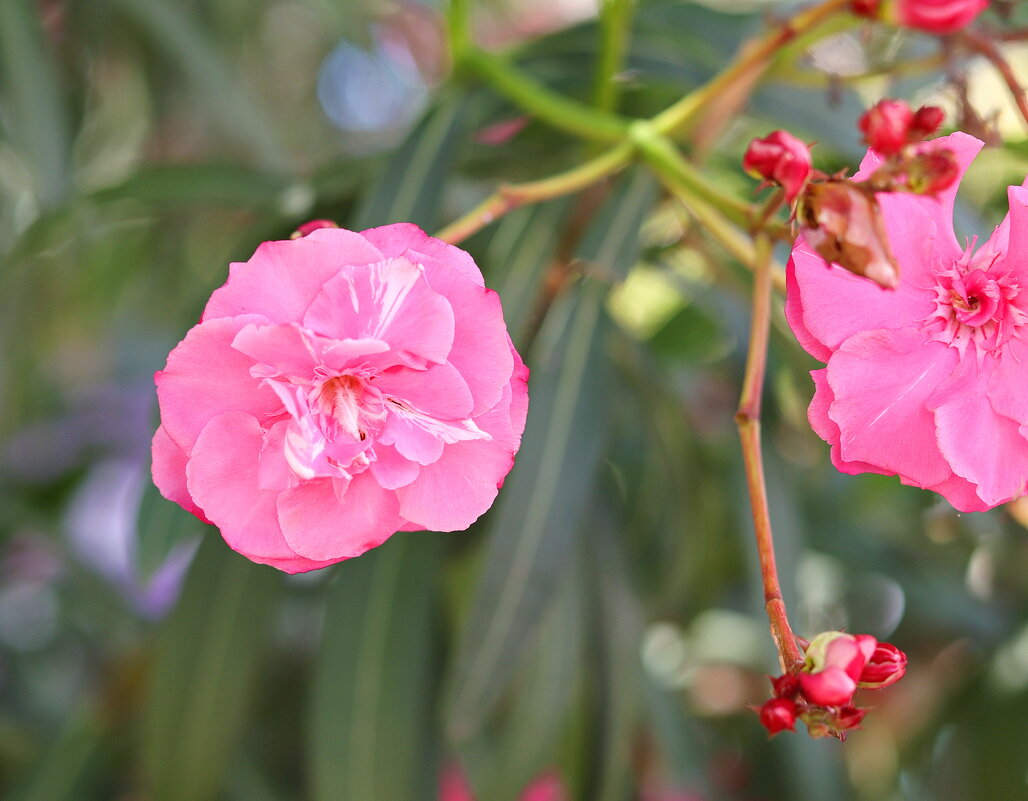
(540, 101)
(458, 26)
(615, 26)
(666, 160)
(748, 421)
(509, 196)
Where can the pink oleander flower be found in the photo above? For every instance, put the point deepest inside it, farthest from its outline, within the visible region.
(782, 159)
(925, 381)
(341, 387)
(937, 16)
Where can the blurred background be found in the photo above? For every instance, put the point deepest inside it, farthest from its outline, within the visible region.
(145, 144)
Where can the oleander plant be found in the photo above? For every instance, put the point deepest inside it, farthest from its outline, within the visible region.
(513, 400)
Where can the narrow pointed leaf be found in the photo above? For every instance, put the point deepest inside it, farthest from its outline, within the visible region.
(182, 38)
(541, 506)
(207, 659)
(409, 188)
(370, 714)
(31, 90)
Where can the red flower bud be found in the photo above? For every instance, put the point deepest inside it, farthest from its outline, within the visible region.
(313, 225)
(828, 687)
(785, 686)
(938, 16)
(927, 120)
(834, 662)
(778, 714)
(932, 172)
(886, 126)
(865, 8)
(782, 158)
(886, 666)
(849, 717)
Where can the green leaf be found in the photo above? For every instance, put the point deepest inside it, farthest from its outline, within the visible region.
(370, 714)
(540, 509)
(529, 739)
(207, 184)
(67, 769)
(521, 251)
(207, 660)
(410, 186)
(617, 620)
(185, 42)
(31, 88)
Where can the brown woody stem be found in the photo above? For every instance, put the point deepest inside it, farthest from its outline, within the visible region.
(748, 421)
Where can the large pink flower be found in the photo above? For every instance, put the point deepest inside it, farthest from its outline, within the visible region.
(338, 388)
(927, 381)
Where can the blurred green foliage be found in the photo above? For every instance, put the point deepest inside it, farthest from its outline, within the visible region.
(605, 619)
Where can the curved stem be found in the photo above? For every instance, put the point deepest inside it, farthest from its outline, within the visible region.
(982, 45)
(541, 101)
(509, 196)
(615, 26)
(748, 421)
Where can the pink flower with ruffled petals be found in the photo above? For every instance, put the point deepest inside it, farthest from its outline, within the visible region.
(926, 381)
(341, 387)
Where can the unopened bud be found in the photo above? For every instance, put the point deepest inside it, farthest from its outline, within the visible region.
(781, 158)
(778, 714)
(865, 8)
(927, 120)
(885, 666)
(833, 664)
(844, 225)
(886, 126)
(785, 686)
(929, 173)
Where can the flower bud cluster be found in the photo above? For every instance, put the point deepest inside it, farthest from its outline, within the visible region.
(841, 216)
(821, 692)
(890, 125)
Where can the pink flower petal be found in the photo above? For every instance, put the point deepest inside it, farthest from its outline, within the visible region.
(882, 381)
(826, 305)
(294, 352)
(938, 207)
(481, 347)
(318, 524)
(169, 472)
(390, 301)
(1007, 384)
(439, 391)
(398, 239)
(984, 447)
(282, 278)
(392, 470)
(829, 687)
(206, 376)
(453, 492)
(223, 478)
(827, 429)
(1016, 258)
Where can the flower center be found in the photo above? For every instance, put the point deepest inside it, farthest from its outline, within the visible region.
(347, 407)
(975, 305)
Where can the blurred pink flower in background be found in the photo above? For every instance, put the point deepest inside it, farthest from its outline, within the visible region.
(938, 16)
(925, 381)
(338, 388)
(453, 786)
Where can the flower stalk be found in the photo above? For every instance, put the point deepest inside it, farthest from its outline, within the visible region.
(747, 420)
